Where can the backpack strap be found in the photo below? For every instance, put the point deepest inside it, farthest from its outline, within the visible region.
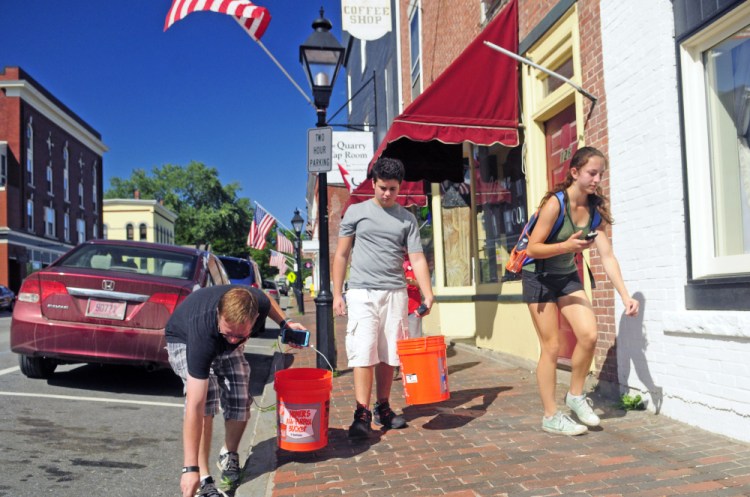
(560, 217)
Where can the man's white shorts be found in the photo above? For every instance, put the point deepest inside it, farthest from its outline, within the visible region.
(377, 320)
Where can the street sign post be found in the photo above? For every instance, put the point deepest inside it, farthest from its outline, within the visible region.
(319, 150)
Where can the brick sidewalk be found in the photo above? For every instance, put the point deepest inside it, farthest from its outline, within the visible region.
(486, 440)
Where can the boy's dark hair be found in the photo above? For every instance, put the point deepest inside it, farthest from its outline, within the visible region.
(387, 168)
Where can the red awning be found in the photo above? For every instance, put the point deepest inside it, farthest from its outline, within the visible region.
(475, 99)
(410, 193)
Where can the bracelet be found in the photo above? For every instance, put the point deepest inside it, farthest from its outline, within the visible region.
(191, 469)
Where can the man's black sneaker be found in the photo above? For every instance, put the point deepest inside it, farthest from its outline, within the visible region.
(231, 473)
(208, 488)
(361, 428)
(386, 417)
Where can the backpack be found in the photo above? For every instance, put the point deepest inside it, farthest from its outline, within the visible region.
(518, 257)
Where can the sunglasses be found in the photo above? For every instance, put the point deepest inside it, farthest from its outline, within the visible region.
(231, 336)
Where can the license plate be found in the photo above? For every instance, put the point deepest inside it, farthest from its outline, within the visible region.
(106, 310)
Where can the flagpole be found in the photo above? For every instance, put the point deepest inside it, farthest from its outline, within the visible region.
(278, 64)
(541, 68)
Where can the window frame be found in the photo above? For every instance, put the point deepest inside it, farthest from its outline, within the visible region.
(694, 33)
(3, 164)
(703, 263)
(50, 228)
(415, 11)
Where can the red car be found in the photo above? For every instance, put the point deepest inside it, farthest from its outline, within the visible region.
(106, 301)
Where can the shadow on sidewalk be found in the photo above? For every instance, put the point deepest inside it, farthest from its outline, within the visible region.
(339, 447)
(447, 415)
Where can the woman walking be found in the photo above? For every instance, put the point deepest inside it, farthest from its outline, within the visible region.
(551, 283)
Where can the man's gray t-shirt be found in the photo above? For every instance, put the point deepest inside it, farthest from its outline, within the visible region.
(381, 238)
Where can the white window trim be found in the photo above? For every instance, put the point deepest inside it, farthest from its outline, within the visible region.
(705, 263)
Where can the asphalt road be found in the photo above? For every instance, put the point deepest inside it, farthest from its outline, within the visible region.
(99, 430)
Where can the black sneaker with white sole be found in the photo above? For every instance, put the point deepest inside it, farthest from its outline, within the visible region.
(384, 416)
(361, 427)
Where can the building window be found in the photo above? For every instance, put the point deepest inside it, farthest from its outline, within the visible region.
(66, 226)
(30, 214)
(142, 231)
(129, 231)
(80, 193)
(489, 9)
(95, 229)
(715, 72)
(94, 184)
(49, 178)
(81, 230)
(415, 51)
(3, 163)
(500, 199)
(49, 222)
(66, 174)
(105, 231)
(30, 153)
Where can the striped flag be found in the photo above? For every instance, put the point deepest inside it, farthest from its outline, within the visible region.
(278, 260)
(252, 18)
(283, 243)
(259, 228)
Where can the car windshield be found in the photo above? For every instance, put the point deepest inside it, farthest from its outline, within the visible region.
(131, 259)
(237, 269)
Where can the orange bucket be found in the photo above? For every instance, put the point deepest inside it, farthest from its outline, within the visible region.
(303, 397)
(424, 369)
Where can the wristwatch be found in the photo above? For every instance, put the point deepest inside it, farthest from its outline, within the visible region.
(284, 322)
(191, 469)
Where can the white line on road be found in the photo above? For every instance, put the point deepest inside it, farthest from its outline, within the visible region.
(9, 370)
(90, 399)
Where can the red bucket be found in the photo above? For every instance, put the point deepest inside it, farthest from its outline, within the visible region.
(303, 397)
(424, 369)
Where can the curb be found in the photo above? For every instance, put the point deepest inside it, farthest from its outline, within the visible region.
(259, 443)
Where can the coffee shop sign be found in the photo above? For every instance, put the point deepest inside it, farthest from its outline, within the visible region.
(366, 19)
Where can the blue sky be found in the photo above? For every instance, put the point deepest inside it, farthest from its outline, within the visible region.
(203, 90)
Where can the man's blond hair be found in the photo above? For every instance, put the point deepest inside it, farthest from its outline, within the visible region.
(238, 306)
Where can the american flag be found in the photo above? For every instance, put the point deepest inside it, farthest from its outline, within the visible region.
(283, 243)
(278, 260)
(252, 18)
(261, 225)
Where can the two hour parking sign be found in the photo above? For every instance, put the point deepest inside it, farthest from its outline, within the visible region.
(319, 150)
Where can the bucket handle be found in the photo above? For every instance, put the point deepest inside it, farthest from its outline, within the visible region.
(278, 340)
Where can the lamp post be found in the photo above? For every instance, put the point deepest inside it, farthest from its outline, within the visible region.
(297, 224)
(321, 55)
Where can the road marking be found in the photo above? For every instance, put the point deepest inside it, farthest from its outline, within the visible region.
(9, 370)
(90, 399)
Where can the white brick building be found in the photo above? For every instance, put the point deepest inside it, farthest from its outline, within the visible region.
(676, 180)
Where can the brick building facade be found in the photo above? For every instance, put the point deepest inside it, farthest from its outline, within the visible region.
(51, 192)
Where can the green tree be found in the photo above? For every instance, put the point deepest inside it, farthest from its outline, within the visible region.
(207, 211)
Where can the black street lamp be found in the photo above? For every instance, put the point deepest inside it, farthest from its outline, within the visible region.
(298, 223)
(322, 56)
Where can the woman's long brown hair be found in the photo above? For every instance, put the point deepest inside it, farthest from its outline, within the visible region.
(596, 199)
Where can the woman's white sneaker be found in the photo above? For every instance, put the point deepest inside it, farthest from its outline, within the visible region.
(582, 407)
(562, 424)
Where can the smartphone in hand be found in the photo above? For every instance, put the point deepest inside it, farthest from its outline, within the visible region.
(300, 338)
(590, 235)
(421, 310)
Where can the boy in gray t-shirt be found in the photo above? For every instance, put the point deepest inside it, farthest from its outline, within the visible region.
(376, 301)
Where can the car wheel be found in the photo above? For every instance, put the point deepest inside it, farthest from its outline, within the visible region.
(37, 367)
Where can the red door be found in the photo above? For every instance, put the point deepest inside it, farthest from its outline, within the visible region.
(562, 143)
